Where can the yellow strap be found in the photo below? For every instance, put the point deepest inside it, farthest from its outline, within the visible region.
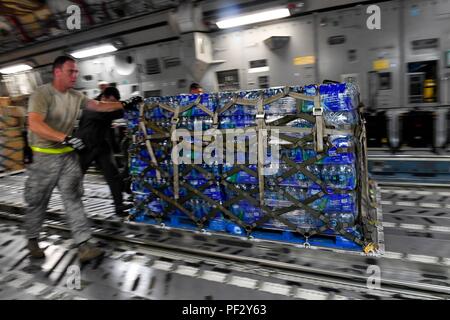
(53, 150)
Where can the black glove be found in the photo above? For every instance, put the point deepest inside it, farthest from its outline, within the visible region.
(132, 103)
(27, 155)
(74, 142)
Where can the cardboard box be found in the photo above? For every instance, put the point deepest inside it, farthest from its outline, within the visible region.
(12, 132)
(13, 111)
(5, 101)
(8, 165)
(12, 120)
(8, 122)
(8, 146)
(8, 143)
(11, 154)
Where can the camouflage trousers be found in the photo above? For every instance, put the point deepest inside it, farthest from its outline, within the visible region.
(45, 173)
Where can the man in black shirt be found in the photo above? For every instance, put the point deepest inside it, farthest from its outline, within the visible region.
(195, 88)
(93, 130)
(102, 85)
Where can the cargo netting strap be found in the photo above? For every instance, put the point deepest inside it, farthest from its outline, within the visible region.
(160, 133)
(290, 118)
(241, 196)
(268, 212)
(176, 175)
(304, 204)
(197, 192)
(262, 141)
(368, 220)
(147, 141)
(317, 136)
(320, 124)
(159, 193)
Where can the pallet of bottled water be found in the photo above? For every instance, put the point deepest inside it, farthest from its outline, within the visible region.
(283, 164)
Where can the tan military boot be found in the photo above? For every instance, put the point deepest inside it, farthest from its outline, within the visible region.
(35, 250)
(87, 252)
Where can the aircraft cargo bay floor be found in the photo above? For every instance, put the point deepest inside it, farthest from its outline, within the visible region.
(149, 262)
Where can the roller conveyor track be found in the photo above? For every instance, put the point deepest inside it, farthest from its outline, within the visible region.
(410, 167)
(415, 265)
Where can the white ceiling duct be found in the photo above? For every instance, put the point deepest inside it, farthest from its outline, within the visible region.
(124, 64)
(196, 53)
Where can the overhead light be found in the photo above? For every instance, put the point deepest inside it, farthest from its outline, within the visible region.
(15, 68)
(259, 69)
(93, 51)
(254, 18)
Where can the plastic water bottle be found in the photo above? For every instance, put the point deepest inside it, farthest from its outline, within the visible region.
(250, 121)
(301, 123)
(308, 91)
(348, 203)
(350, 176)
(297, 155)
(355, 231)
(225, 122)
(298, 193)
(133, 124)
(296, 180)
(156, 206)
(340, 141)
(252, 214)
(207, 123)
(237, 211)
(340, 176)
(137, 166)
(214, 192)
(348, 218)
(135, 187)
(287, 105)
(275, 197)
(339, 96)
(241, 177)
(342, 120)
(276, 107)
(329, 175)
(344, 203)
(300, 218)
(195, 111)
(333, 220)
(237, 110)
(199, 208)
(190, 123)
(239, 121)
(308, 152)
(315, 170)
(270, 198)
(134, 170)
(144, 154)
(245, 211)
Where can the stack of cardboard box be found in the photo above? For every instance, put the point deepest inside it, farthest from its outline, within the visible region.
(5, 101)
(12, 124)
